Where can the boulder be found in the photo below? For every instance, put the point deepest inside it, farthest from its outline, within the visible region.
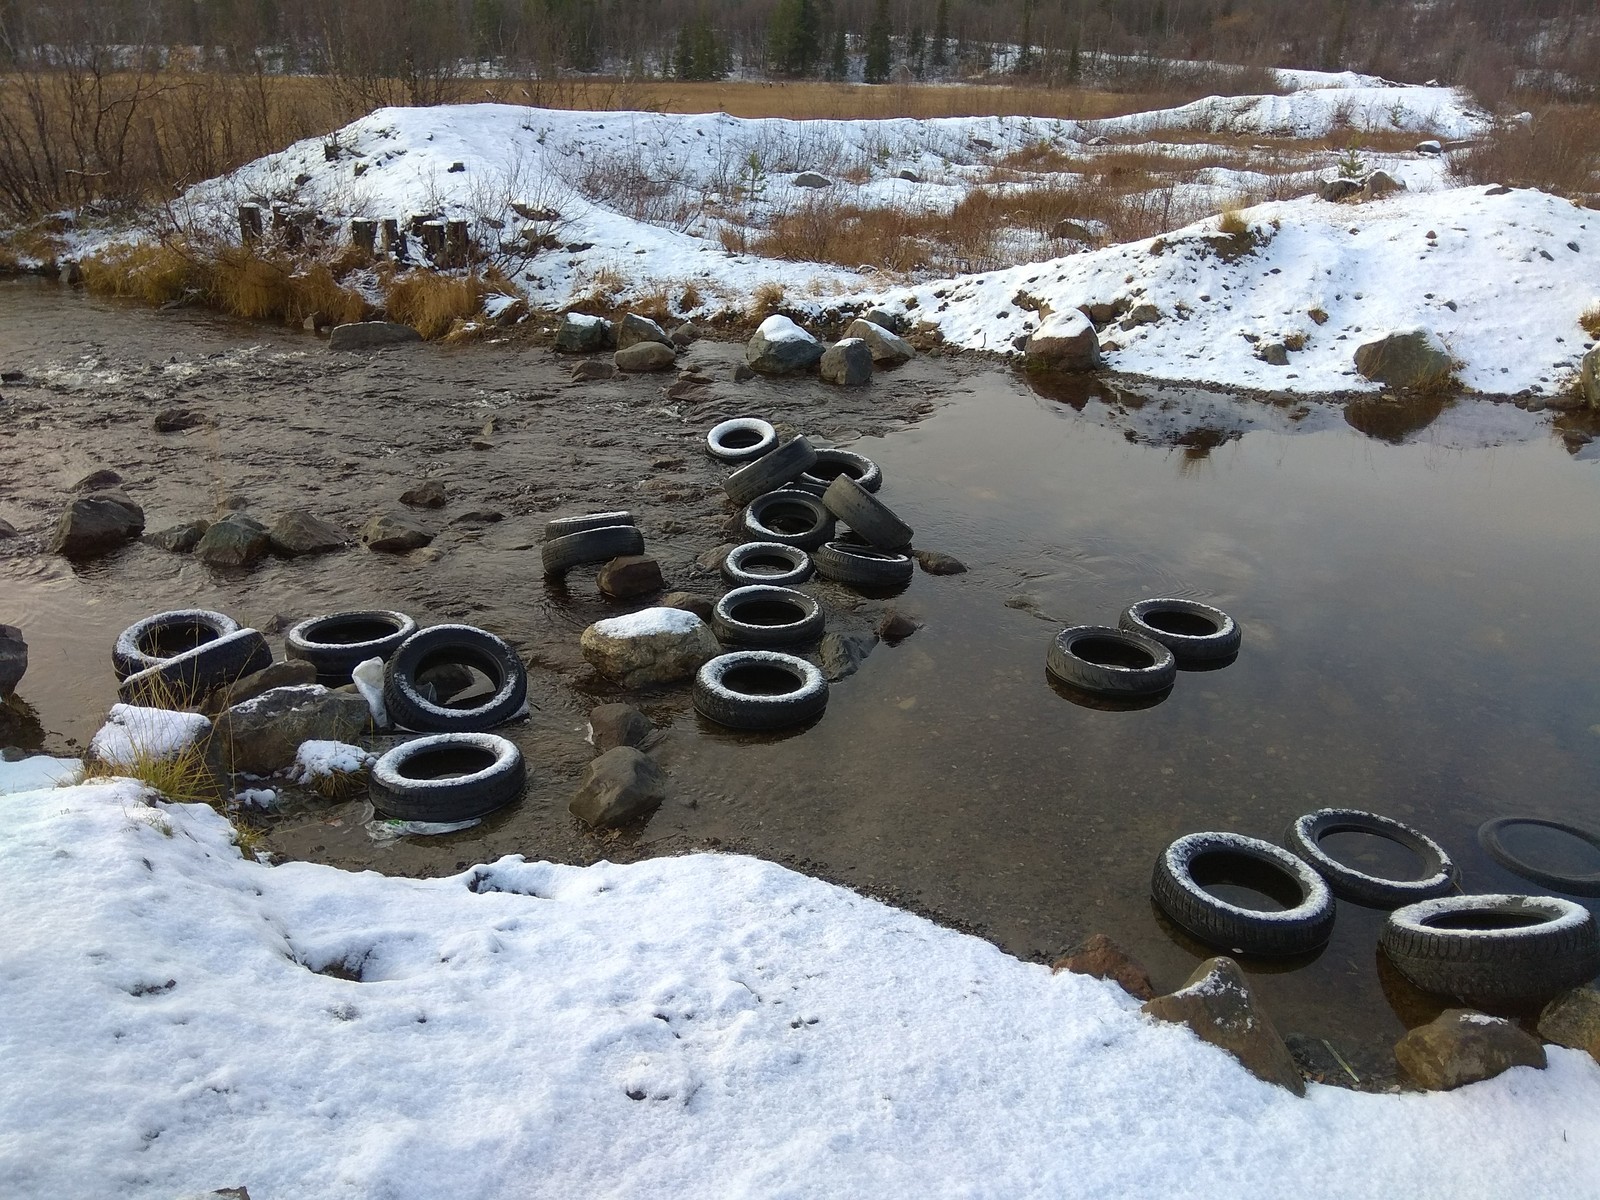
(592, 369)
(908, 175)
(297, 533)
(582, 334)
(1335, 190)
(1380, 184)
(936, 563)
(1064, 341)
(100, 480)
(1461, 1046)
(613, 725)
(394, 533)
(294, 672)
(429, 493)
(700, 606)
(1217, 1004)
(780, 347)
(742, 373)
(654, 645)
(262, 735)
(180, 539)
(842, 654)
(13, 659)
(882, 318)
(1104, 959)
(1429, 146)
(847, 363)
(810, 179)
(1140, 314)
(96, 524)
(234, 541)
(685, 335)
(1408, 358)
(1274, 354)
(645, 356)
(620, 786)
(371, 335)
(888, 348)
(630, 576)
(1572, 1019)
(633, 329)
(894, 626)
(1589, 378)
(176, 420)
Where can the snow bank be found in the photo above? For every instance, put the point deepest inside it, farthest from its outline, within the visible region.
(180, 1019)
(1502, 279)
(1316, 112)
(36, 772)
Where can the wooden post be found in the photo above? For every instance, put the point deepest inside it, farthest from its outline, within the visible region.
(457, 245)
(249, 223)
(433, 240)
(393, 244)
(362, 234)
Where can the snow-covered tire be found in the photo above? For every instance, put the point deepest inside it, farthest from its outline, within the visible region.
(566, 526)
(741, 439)
(866, 514)
(185, 678)
(445, 777)
(831, 464)
(154, 640)
(771, 471)
(1438, 872)
(1111, 662)
(560, 555)
(1197, 859)
(790, 517)
(468, 646)
(1489, 837)
(1194, 632)
(337, 643)
(759, 689)
(1494, 949)
(763, 615)
(791, 565)
(861, 565)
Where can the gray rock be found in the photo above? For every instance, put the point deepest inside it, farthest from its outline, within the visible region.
(894, 626)
(710, 562)
(96, 524)
(180, 539)
(1274, 354)
(1413, 359)
(1104, 959)
(479, 516)
(700, 606)
(631, 576)
(620, 786)
(13, 659)
(654, 645)
(908, 175)
(1217, 1004)
(583, 334)
(234, 541)
(99, 480)
(176, 420)
(742, 373)
(429, 493)
(613, 725)
(780, 347)
(592, 369)
(1379, 184)
(1140, 314)
(1335, 190)
(645, 356)
(685, 335)
(936, 563)
(394, 533)
(297, 532)
(1072, 231)
(1429, 146)
(843, 653)
(371, 335)
(261, 735)
(7, 529)
(1064, 341)
(687, 386)
(847, 363)
(810, 179)
(633, 329)
(1572, 1019)
(888, 348)
(294, 672)
(1589, 378)
(1461, 1047)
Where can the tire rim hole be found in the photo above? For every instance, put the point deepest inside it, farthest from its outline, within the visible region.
(487, 677)
(829, 471)
(175, 640)
(447, 762)
(1245, 883)
(1373, 854)
(353, 633)
(1181, 624)
(741, 439)
(1551, 849)
(769, 564)
(1110, 652)
(788, 518)
(768, 613)
(1485, 920)
(758, 679)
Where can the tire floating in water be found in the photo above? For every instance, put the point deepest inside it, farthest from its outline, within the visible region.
(1195, 633)
(447, 777)
(337, 643)
(1438, 873)
(1185, 870)
(1111, 662)
(185, 678)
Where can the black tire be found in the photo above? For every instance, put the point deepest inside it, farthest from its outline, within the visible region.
(1110, 662)
(337, 643)
(741, 440)
(790, 517)
(1438, 872)
(771, 471)
(759, 689)
(561, 554)
(763, 615)
(154, 640)
(860, 565)
(446, 777)
(831, 464)
(1194, 632)
(1494, 949)
(791, 565)
(1574, 885)
(866, 514)
(185, 678)
(566, 526)
(465, 644)
(1201, 858)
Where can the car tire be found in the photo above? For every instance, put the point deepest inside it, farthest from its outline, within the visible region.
(1490, 838)
(1194, 632)
(184, 679)
(857, 564)
(339, 642)
(410, 708)
(866, 514)
(446, 777)
(566, 526)
(762, 615)
(791, 565)
(741, 440)
(1304, 925)
(790, 517)
(1111, 662)
(773, 470)
(759, 690)
(831, 464)
(1348, 883)
(154, 640)
(602, 544)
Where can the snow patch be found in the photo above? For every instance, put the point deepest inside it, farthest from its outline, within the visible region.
(132, 733)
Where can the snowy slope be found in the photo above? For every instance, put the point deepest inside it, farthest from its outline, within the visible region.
(695, 1027)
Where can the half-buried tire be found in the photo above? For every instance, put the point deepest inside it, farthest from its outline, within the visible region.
(566, 526)
(470, 712)
(447, 777)
(1199, 861)
(337, 643)
(154, 640)
(759, 689)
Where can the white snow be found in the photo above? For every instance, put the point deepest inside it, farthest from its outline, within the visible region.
(132, 732)
(1314, 112)
(648, 622)
(689, 1027)
(37, 772)
(1066, 323)
(780, 329)
(318, 759)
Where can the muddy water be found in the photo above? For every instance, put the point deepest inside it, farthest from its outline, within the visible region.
(1417, 598)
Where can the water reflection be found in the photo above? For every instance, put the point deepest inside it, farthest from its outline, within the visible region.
(1393, 419)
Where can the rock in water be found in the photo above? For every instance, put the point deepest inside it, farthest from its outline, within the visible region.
(1461, 1046)
(633, 329)
(843, 653)
(234, 541)
(262, 735)
(888, 348)
(96, 524)
(1104, 959)
(297, 532)
(645, 356)
(1590, 378)
(630, 576)
(101, 480)
(780, 347)
(935, 562)
(371, 335)
(1408, 358)
(620, 786)
(394, 533)
(13, 659)
(613, 725)
(583, 334)
(847, 363)
(654, 645)
(1217, 1004)
(1064, 341)
(180, 539)
(429, 493)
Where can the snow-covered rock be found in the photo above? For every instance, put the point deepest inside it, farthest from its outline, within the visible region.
(653, 645)
(780, 347)
(1065, 341)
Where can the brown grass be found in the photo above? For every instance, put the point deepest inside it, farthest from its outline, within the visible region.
(1558, 152)
(1590, 320)
(1231, 223)
(432, 303)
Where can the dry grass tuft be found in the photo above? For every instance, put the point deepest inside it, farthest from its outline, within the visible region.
(690, 298)
(1232, 224)
(766, 300)
(152, 273)
(431, 303)
(1590, 320)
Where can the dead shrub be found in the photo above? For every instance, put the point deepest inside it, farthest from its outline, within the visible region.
(1590, 320)
(431, 303)
(1555, 152)
(1231, 223)
(766, 300)
(153, 273)
(689, 299)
